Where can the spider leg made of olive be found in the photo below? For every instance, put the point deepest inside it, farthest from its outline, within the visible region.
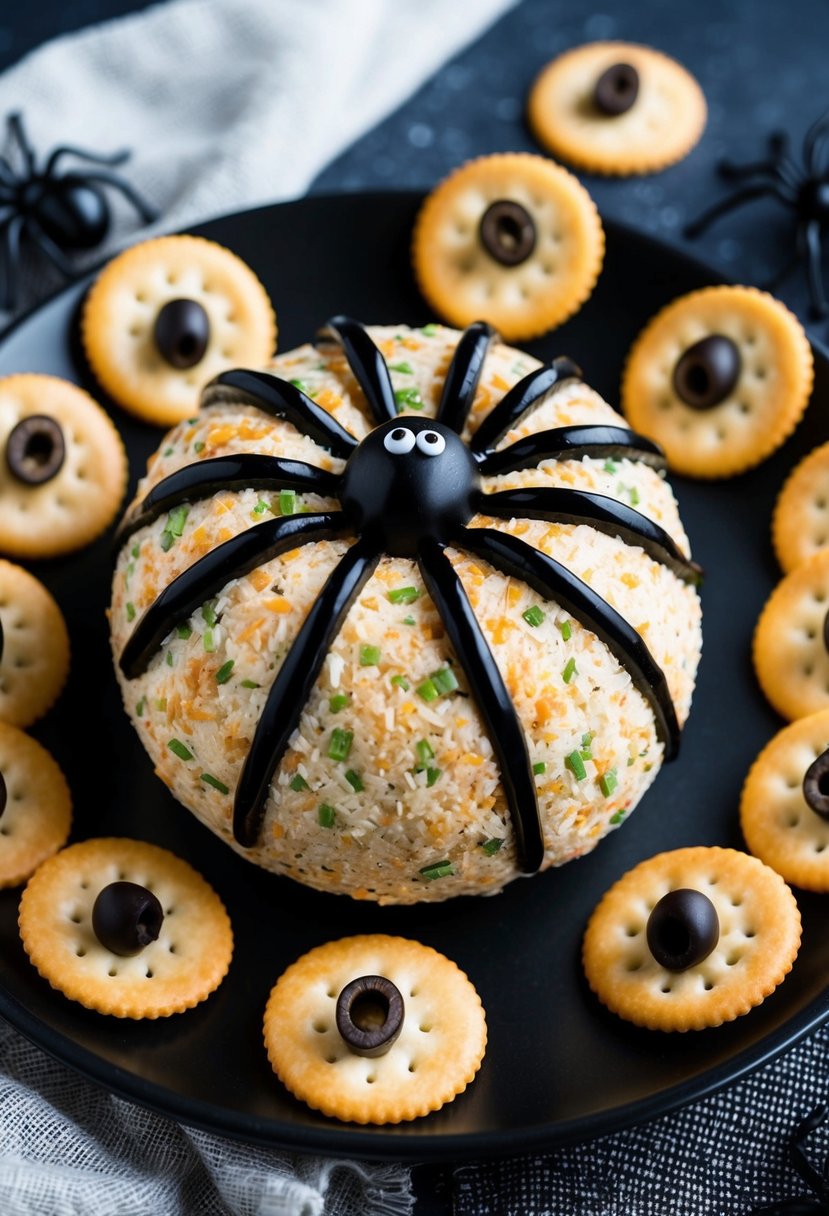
(244, 471)
(528, 392)
(549, 578)
(572, 443)
(367, 364)
(492, 698)
(206, 577)
(279, 399)
(292, 686)
(605, 514)
(461, 382)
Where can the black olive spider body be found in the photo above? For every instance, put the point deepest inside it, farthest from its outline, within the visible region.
(57, 212)
(805, 191)
(410, 489)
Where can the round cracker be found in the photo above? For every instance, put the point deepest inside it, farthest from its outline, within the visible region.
(789, 651)
(37, 816)
(438, 1053)
(760, 412)
(121, 309)
(663, 125)
(464, 283)
(778, 824)
(34, 661)
(181, 968)
(800, 522)
(81, 500)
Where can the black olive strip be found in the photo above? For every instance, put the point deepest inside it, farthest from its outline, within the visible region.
(526, 393)
(464, 373)
(366, 362)
(572, 443)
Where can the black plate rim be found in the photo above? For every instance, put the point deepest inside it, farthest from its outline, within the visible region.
(351, 1141)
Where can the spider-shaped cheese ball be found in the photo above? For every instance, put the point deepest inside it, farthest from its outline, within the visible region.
(407, 614)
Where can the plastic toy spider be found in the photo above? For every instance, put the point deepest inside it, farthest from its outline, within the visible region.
(805, 191)
(56, 212)
(409, 489)
(816, 1180)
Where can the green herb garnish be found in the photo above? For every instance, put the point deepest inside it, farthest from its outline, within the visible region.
(337, 702)
(183, 631)
(539, 768)
(340, 744)
(298, 783)
(287, 502)
(225, 671)
(198, 446)
(208, 779)
(401, 682)
(180, 750)
(403, 595)
(576, 766)
(610, 466)
(618, 817)
(408, 620)
(130, 607)
(326, 815)
(404, 368)
(177, 519)
(261, 507)
(135, 550)
(427, 691)
(490, 847)
(169, 658)
(608, 782)
(208, 612)
(432, 774)
(408, 398)
(444, 680)
(429, 330)
(207, 641)
(354, 780)
(250, 684)
(534, 616)
(438, 869)
(566, 630)
(423, 748)
(569, 670)
(369, 656)
(139, 709)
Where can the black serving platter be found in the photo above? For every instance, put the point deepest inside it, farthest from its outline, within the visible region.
(558, 1067)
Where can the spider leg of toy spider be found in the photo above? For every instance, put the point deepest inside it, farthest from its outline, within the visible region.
(562, 505)
(245, 471)
(293, 684)
(746, 195)
(147, 212)
(93, 158)
(366, 362)
(779, 166)
(572, 443)
(812, 142)
(817, 295)
(492, 698)
(233, 559)
(464, 374)
(8, 177)
(549, 578)
(34, 232)
(279, 399)
(10, 230)
(521, 397)
(17, 131)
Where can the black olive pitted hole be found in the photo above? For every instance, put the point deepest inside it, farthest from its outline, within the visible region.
(35, 450)
(126, 917)
(816, 785)
(707, 372)
(617, 89)
(683, 929)
(370, 1015)
(181, 333)
(4, 795)
(507, 232)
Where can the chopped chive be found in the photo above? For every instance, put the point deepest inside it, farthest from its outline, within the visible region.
(634, 497)
(183, 631)
(569, 670)
(401, 682)
(208, 779)
(166, 540)
(287, 502)
(587, 738)
(191, 422)
(490, 847)
(405, 369)
(130, 611)
(631, 761)
(208, 612)
(432, 775)
(427, 691)
(408, 620)
(298, 783)
(340, 744)
(586, 753)
(179, 749)
(169, 658)
(608, 782)
(408, 397)
(224, 672)
(429, 330)
(326, 815)
(534, 616)
(176, 520)
(438, 869)
(161, 704)
(304, 388)
(128, 573)
(207, 641)
(169, 451)
(337, 702)
(610, 466)
(369, 656)
(444, 680)
(135, 550)
(576, 766)
(618, 817)
(250, 684)
(198, 446)
(539, 768)
(566, 630)
(424, 751)
(261, 507)
(354, 780)
(139, 709)
(403, 595)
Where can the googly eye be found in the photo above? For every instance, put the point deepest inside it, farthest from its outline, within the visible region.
(399, 441)
(430, 443)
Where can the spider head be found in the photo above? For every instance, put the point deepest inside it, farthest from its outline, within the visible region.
(409, 479)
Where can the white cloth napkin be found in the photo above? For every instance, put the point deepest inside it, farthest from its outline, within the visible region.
(226, 104)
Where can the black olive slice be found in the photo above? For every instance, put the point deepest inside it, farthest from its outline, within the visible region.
(816, 785)
(616, 89)
(707, 372)
(507, 232)
(126, 917)
(4, 795)
(370, 1015)
(181, 333)
(683, 929)
(35, 450)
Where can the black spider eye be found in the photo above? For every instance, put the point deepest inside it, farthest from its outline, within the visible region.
(431, 443)
(399, 441)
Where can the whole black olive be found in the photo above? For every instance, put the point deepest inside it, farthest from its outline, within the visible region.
(707, 372)
(182, 332)
(370, 1015)
(126, 917)
(683, 929)
(507, 232)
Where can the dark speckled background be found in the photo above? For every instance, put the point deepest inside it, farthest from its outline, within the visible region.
(761, 63)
